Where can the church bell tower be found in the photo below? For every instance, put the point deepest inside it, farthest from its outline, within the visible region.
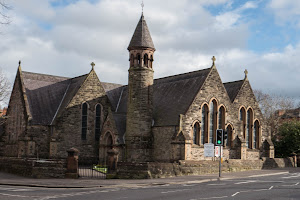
(138, 136)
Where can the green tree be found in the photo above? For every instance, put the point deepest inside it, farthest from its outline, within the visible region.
(287, 141)
(269, 104)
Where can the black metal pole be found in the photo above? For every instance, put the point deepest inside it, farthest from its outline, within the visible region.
(220, 161)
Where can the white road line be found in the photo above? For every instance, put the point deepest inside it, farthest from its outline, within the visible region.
(13, 195)
(217, 184)
(271, 187)
(260, 175)
(14, 189)
(245, 182)
(171, 191)
(222, 197)
(235, 194)
(292, 176)
(291, 185)
(187, 185)
(260, 190)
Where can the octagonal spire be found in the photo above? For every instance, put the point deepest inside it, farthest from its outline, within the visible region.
(141, 37)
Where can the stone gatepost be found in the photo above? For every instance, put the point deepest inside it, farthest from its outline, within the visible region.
(72, 163)
(112, 159)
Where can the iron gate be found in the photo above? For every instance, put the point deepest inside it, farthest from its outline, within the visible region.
(92, 171)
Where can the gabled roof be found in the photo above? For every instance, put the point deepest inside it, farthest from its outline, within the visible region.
(173, 95)
(141, 36)
(46, 94)
(233, 88)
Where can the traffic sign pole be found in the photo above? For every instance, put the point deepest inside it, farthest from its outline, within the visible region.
(220, 163)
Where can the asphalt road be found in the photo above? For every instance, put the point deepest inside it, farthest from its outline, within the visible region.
(275, 187)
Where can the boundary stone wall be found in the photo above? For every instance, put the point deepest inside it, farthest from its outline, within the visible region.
(33, 168)
(182, 168)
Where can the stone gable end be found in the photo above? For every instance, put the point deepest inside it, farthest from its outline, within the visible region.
(90, 89)
(212, 88)
(67, 131)
(16, 119)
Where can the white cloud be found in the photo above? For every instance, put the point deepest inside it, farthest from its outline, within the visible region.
(286, 11)
(185, 35)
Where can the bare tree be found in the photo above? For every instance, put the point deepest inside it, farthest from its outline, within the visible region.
(270, 104)
(4, 19)
(4, 88)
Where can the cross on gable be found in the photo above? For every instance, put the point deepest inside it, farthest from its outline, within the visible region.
(213, 59)
(93, 64)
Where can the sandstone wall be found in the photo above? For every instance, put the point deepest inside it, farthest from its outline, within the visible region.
(33, 168)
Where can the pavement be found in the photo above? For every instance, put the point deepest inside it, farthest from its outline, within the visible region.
(14, 180)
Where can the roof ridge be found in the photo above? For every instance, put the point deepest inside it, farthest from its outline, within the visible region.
(55, 76)
(46, 74)
(233, 81)
(177, 75)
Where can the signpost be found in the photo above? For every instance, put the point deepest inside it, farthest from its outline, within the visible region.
(209, 149)
(219, 143)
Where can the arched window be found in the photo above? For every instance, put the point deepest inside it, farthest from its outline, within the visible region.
(196, 133)
(84, 115)
(131, 60)
(151, 61)
(139, 59)
(98, 122)
(221, 118)
(204, 124)
(243, 119)
(248, 137)
(228, 141)
(256, 135)
(146, 60)
(212, 121)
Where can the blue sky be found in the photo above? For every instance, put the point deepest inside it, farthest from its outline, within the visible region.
(62, 37)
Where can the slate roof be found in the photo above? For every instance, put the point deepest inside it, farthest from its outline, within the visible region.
(44, 94)
(49, 95)
(141, 36)
(171, 96)
(233, 88)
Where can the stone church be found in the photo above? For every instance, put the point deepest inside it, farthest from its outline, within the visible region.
(162, 120)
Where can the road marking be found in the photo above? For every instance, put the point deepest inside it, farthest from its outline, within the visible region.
(222, 197)
(292, 176)
(245, 182)
(14, 189)
(188, 185)
(271, 187)
(235, 194)
(171, 191)
(260, 190)
(217, 184)
(279, 173)
(291, 185)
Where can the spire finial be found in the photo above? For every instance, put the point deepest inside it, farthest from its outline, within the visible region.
(19, 62)
(246, 73)
(142, 7)
(93, 64)
(213, 59)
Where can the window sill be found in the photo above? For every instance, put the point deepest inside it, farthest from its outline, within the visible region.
(197, 146)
